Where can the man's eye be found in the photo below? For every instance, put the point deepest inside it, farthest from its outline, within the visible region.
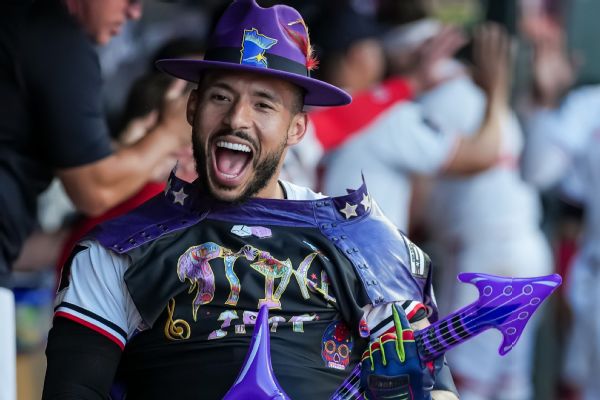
(219, 97)
(264, 105)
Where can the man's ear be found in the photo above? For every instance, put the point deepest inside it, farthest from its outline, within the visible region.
(191, 106)
(298, 128)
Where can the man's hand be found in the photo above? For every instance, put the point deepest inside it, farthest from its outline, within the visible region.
(553, 71)
(137, 128)
(98, 186)
(491, 52)
(391, 367)
(172, 116)
(492, 59)
(421, 65)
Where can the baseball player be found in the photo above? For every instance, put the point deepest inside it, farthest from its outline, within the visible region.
(398, 141)
(487, 222)
(564, 139)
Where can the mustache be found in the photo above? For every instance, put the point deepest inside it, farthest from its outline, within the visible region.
(240, 134)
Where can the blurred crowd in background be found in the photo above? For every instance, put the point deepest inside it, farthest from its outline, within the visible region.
(415, 133)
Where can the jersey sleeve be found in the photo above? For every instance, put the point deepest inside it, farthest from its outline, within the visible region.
(93, 293)
(576, 120)
(65, 93)
(464, 116)
(556, 137)
(407, 140)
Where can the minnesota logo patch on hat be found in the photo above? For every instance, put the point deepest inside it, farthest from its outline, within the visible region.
(254, 46)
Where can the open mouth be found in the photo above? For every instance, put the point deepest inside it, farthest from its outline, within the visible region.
(231, 161)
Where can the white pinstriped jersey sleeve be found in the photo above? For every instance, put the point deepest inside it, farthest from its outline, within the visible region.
(96, 295)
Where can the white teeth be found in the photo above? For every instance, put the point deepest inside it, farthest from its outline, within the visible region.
(234, 146)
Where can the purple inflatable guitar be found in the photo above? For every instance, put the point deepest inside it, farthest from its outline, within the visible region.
(506, 304)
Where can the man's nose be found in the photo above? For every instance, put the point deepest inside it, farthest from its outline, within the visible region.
(239, 116)
(134, 9)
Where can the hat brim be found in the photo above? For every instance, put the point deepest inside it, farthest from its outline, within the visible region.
(318, 93)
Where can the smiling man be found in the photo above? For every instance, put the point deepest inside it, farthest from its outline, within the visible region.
(242, 125)
(162, 303)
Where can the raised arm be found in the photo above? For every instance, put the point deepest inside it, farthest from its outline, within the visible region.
(492, 62)
(98, 186)
(556, 122)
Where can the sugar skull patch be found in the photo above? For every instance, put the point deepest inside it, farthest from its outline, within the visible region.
(336, 345)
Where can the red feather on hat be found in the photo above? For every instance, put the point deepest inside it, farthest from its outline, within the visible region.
(303, 42)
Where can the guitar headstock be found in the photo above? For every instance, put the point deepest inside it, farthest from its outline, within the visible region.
(507, 304)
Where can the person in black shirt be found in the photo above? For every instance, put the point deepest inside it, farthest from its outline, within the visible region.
(52, 124)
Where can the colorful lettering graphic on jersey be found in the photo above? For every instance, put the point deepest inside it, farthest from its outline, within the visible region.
(194, 266)
(298, 321)
(272, 269)
(337, 345)
(226, 316)
(234, 282)
(248, 319)
(323, 290)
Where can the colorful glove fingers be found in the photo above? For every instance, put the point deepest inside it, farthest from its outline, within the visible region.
(391, 368)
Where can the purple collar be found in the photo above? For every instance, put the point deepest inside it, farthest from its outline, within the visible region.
(183, 205)
(267, 211)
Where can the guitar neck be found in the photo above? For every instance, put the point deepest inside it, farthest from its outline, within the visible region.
(450, 331)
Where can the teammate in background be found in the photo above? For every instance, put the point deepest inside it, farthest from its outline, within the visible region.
(487, 222)
(165, 298)
(388, 139)
(563, 139)
(142, 107)
(351, 57)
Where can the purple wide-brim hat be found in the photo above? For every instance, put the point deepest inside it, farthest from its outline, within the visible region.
(270, 41)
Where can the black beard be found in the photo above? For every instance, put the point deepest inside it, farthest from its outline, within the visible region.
(265, 170)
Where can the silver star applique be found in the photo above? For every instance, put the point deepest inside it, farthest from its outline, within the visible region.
(366, 202)
(349, 210)
(179, 196)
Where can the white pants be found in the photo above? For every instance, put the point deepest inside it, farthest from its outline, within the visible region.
(487, 375)
(8, 376)
(582, 359)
